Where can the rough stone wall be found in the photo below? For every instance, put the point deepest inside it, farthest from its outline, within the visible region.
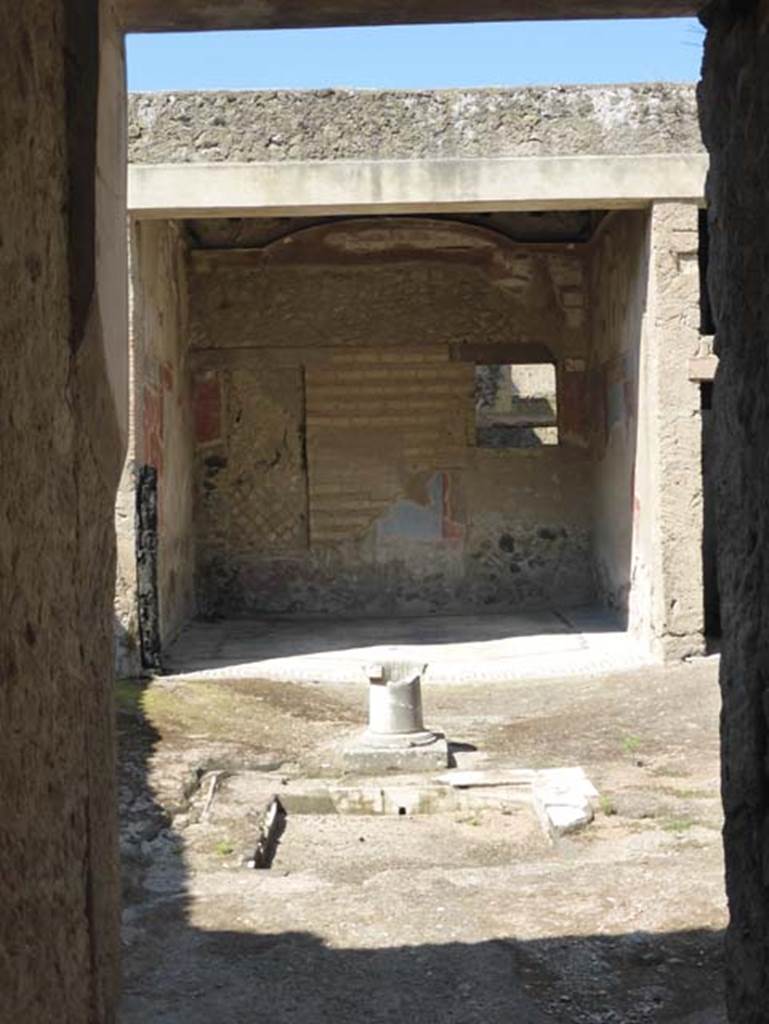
(341, 124)
(735, 113)
(337, 470)
(162, 436)
(62, 321)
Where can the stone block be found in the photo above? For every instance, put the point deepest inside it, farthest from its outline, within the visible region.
(363, 759)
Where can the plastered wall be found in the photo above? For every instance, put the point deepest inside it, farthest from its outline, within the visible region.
(677, 626)
(161, 438)
(336, 465)
(619, 277)
(63, 396)
(648, 477)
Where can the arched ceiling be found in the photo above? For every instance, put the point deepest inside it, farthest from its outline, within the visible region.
(556, 226)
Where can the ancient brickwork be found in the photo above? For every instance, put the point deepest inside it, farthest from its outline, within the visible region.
(337, 465)
(368, 423)
(735, 112)
(489, 291)
(250, 497)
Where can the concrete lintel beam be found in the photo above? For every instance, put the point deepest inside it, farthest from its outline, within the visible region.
(409, 186)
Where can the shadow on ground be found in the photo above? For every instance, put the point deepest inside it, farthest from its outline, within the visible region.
(233, 977)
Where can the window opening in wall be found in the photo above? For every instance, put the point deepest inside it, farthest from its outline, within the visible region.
(515, 405)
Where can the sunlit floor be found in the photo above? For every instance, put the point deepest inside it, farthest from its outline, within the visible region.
(540, 644)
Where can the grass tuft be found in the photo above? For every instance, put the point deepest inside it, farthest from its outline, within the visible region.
(677, 825)
(607, 805)
(631, 744)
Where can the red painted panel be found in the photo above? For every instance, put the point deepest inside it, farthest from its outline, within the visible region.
(152, 420)
(207, 407)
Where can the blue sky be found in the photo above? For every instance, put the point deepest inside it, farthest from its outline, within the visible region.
(424, 56)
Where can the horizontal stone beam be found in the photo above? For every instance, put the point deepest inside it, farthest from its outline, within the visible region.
(175, 15)
(408, 186)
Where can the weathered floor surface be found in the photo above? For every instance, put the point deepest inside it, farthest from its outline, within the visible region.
(457, 648)
(457, 917)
